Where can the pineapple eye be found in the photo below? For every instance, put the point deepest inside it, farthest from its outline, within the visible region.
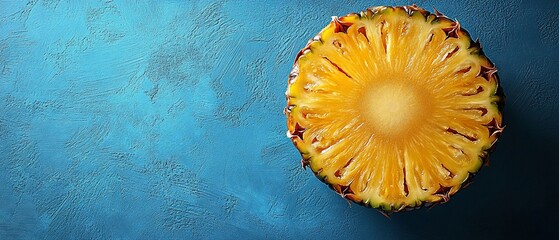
(394, 107)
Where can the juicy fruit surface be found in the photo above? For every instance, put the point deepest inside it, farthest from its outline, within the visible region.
(394, 107)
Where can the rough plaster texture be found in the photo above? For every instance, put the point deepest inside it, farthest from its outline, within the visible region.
(163, 120)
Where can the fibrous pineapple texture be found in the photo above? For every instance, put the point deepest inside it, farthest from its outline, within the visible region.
(394, 107)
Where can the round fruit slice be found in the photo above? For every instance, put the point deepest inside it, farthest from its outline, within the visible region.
(394, 107)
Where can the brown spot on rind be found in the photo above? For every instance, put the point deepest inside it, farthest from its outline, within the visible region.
(410, 9)
(453, 32)
(487, 72)
(298, 131)
(443, 192)
(304, 163)
(494, 128)
(414, 8)
(344, 190)
(340, 26)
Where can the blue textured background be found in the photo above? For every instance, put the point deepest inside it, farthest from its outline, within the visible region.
(163, 119)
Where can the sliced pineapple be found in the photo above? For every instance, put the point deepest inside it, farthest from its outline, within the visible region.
(394, 107)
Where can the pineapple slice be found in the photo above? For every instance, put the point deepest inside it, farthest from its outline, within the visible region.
(394, 107)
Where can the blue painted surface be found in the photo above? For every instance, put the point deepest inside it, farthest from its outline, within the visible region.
(163, 120)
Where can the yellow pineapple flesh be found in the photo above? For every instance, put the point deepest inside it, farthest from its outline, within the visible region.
(394, 107)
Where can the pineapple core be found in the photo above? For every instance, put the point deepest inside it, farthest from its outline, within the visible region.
(394, 107)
